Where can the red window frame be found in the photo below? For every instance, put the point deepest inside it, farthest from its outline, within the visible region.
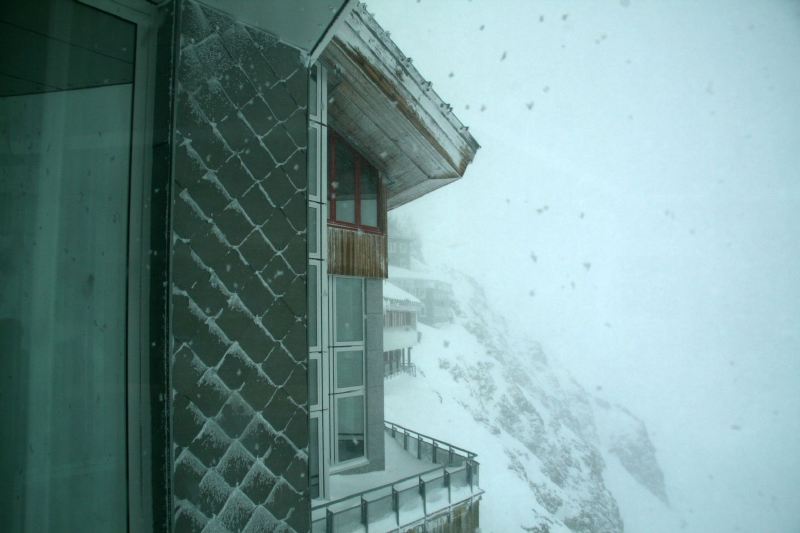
(358, 160)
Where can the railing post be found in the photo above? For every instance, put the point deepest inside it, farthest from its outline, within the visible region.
(422, 493)
(435, 449)
(405, 440)
(447, 484)
(328, 521)
(469, 474)
(396, 505)
(449, 456)
(364, 514)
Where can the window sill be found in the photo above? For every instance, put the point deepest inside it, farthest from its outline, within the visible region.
(341, 468)
(354, 227)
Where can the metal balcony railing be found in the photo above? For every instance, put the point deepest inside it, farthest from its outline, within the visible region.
(417, 500)
(391, 370)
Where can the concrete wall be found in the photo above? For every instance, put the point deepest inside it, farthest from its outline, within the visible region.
(238, 279)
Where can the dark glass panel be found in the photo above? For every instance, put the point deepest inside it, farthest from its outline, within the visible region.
(350, 427)
(343, 183)
(369, 186)
(313, 458)
(349, 368)
(349, 310)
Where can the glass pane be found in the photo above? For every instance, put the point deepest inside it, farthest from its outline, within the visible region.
(369, 194)
(343, 183)
(66, 74)
(349, 368)
(313, 299)
(313, 141)
(313, 97)
(349, 310)
(313, 382)
(350, 427)
(313, 458)
(313, 233)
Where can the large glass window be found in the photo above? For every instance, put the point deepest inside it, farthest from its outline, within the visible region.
(349, 368)
(350, 425)
(347, 380)
(354, 191)
(66, 88)
(349, 310)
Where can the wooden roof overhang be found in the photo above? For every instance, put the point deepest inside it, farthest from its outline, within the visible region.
(382, 105)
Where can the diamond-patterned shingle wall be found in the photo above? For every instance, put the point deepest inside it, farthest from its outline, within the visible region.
(238, 298)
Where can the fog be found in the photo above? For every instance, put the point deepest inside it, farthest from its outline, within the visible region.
(635, 206)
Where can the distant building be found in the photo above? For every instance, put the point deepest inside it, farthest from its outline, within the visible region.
(435, 293)
(400, 334)
(400, 251)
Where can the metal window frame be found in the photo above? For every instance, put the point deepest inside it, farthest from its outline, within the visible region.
(333, 341)
(337, 465)
(139, 424)
(335, 379)
(335, 138)
(321, 424)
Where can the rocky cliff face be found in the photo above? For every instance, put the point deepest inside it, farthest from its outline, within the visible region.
(542, 439)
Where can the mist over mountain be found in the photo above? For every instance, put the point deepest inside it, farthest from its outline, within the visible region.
(551, 453)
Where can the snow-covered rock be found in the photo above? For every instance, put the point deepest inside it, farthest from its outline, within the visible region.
(546, 446)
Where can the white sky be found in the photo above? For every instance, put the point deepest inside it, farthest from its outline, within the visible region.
(674, 127)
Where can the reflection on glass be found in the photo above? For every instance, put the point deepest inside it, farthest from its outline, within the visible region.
(66, 85)
(343, 183)
(350, 427)
(349, 368)
(369, 195)
(349, 310)
(312, 305)
(313, 458)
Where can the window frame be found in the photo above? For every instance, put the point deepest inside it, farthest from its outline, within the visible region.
(339, 465)
(334, 341)
(335, 388)
(358, 161)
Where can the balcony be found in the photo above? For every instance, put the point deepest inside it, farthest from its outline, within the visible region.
(432, 486)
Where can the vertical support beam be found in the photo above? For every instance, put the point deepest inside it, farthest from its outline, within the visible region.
(364, 514)
(422, 493)
(396, 505)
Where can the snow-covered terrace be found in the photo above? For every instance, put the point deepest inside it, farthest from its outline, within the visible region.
(425, 479)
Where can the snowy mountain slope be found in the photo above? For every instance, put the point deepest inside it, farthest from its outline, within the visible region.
(550, 454)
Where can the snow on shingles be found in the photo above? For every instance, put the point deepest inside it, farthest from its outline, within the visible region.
(233, 301)
(211, 176)
(262, 520)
